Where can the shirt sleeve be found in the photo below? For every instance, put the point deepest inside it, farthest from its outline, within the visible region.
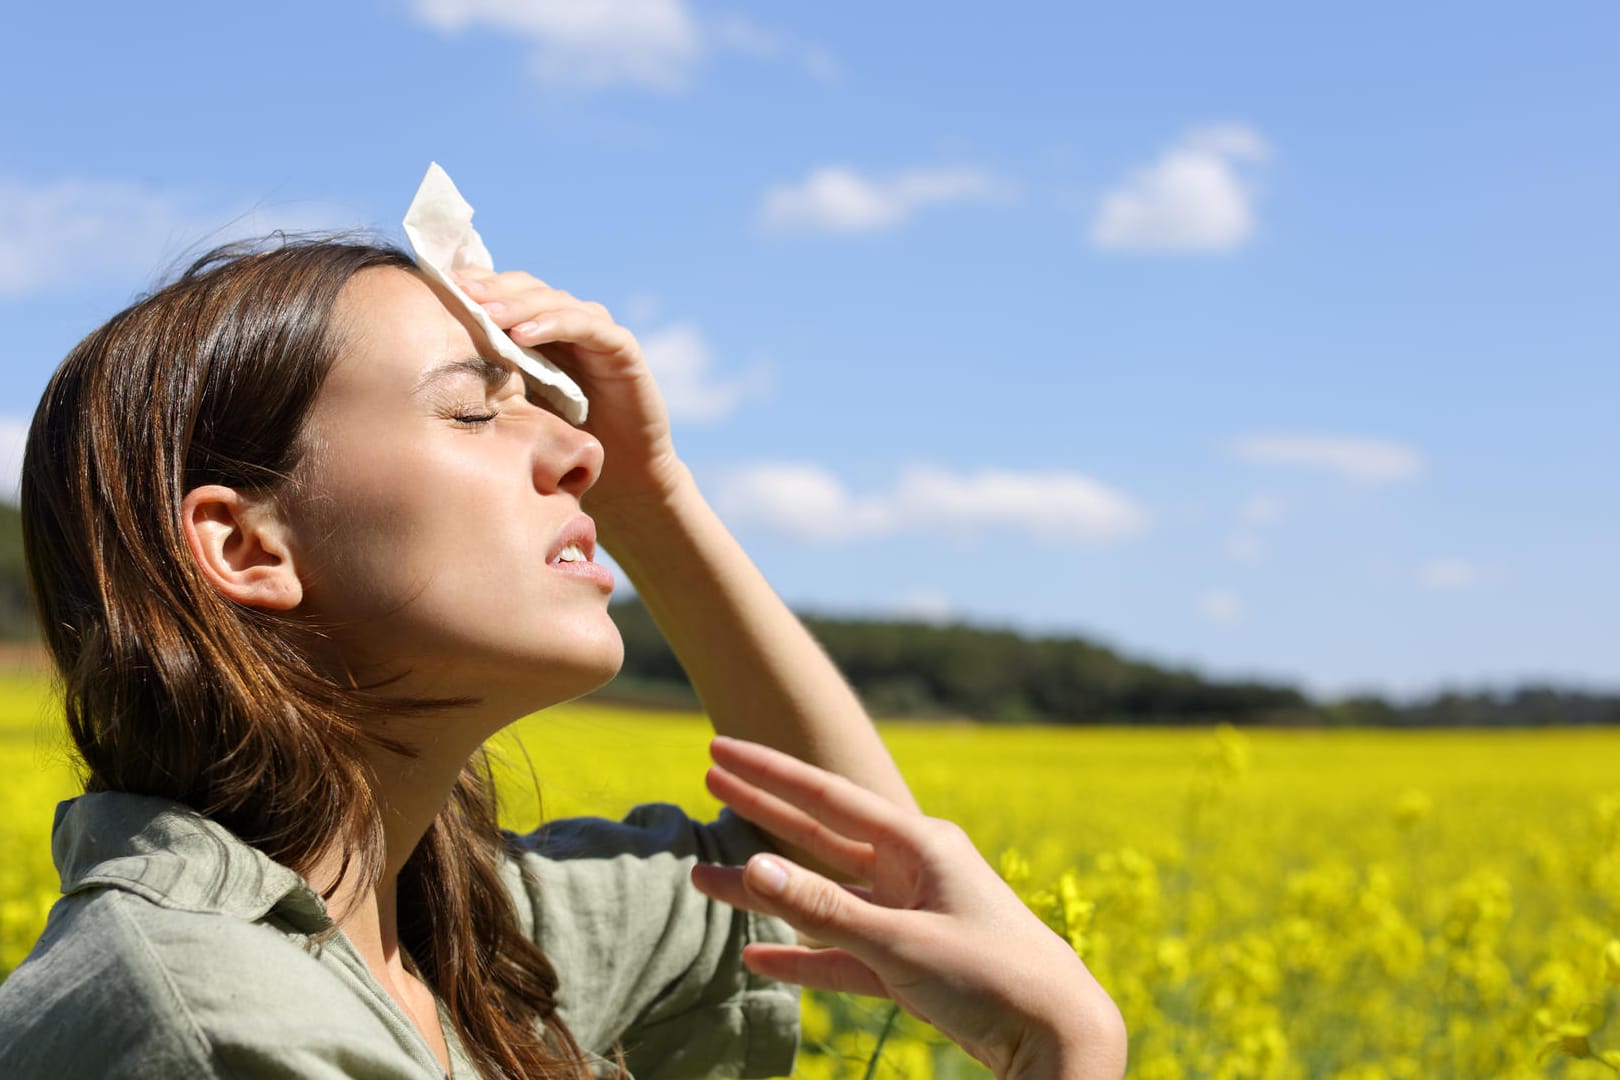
(119, 987)
(646, 961)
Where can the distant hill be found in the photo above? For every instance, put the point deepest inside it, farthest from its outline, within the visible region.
(16, 611)
(918, 669)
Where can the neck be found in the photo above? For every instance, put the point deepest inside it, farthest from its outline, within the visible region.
(409, 792)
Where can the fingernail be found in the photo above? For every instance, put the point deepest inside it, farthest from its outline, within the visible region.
(770, 876)
(471, 287)
(495, 308)
(521, 329)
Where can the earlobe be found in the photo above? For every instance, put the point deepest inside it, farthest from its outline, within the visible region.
(242, 547)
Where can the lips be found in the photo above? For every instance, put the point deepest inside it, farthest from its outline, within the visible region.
(580, 533)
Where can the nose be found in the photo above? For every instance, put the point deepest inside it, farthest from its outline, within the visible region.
(566, 459)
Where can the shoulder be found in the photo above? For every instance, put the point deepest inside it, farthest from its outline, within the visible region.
(601, 892)
(119, 986)
(93, 998)
(642, 957)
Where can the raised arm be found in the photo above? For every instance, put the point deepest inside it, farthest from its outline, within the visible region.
(756, 669)
(760, 674)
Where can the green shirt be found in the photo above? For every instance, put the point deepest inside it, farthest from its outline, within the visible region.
(177, 951)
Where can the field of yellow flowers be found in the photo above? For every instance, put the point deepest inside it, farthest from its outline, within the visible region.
(1351, 905)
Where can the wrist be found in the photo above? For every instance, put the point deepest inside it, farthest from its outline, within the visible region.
(1087, 1042)
(665, 537)
(620, 511)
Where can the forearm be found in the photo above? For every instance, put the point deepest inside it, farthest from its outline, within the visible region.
(758, 672)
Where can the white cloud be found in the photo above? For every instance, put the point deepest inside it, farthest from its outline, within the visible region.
(641, 308)
(13, 436)
(1192, 199)
(1230, 141)
(1359, 460)
(655, 43)
(1255, 514)
(1246, 548)
(820, 65)
(75, 230)
(838, 199)
(799, 500)
(680, 359)
(924, 605)
(72, 232)
(1221, 606)
(1261, 510)
(1058, 507)
(745, 36)
(808, 502)
(1450, 574)
(740, 35)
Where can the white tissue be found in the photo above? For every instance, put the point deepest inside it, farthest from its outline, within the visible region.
(439, 228)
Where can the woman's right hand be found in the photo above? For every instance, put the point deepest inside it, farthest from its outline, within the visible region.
(935, 929)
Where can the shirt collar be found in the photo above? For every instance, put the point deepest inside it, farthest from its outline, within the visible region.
(175, 857)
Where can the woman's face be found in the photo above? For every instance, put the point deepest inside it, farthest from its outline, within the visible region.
(435, 501)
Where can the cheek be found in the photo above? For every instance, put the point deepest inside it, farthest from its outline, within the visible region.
(382, 478)
(411, 521)
(424, 535)
(362, 529)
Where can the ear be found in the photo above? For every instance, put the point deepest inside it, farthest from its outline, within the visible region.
(242, 546)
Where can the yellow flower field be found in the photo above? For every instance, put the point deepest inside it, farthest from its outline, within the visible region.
(1262, 904)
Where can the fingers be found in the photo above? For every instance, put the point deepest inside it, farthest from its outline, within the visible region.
(805, 900)
(489, 280)
(533, 313)
(841, 804)
(788, 823)
(725, 883)
(819, 969)
(575, 326)
(512, 297)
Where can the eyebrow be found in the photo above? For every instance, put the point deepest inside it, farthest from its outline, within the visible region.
(492, 372)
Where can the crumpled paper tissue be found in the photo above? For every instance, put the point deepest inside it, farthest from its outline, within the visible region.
(438, 225)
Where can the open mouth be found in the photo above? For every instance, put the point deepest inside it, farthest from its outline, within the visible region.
(574, 543)
(572, 553)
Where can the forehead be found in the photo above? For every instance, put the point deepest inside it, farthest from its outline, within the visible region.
(393, 325)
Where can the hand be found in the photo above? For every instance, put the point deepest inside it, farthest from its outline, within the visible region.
(936, 930)
(627, 412)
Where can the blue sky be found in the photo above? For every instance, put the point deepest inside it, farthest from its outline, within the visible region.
(1267, 341)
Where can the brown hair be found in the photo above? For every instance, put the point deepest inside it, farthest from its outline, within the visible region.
(172, 690)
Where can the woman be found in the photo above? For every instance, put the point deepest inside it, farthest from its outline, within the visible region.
(300, 546)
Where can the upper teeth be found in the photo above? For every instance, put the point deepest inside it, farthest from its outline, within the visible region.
(571, 553)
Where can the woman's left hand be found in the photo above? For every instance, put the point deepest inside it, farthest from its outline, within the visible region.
(627, 412)
(933, 928)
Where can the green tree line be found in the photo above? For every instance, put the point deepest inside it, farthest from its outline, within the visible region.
(906, 668)
(16, 613)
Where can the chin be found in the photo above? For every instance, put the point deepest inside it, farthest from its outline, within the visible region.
(590, 662)
(603, 674)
